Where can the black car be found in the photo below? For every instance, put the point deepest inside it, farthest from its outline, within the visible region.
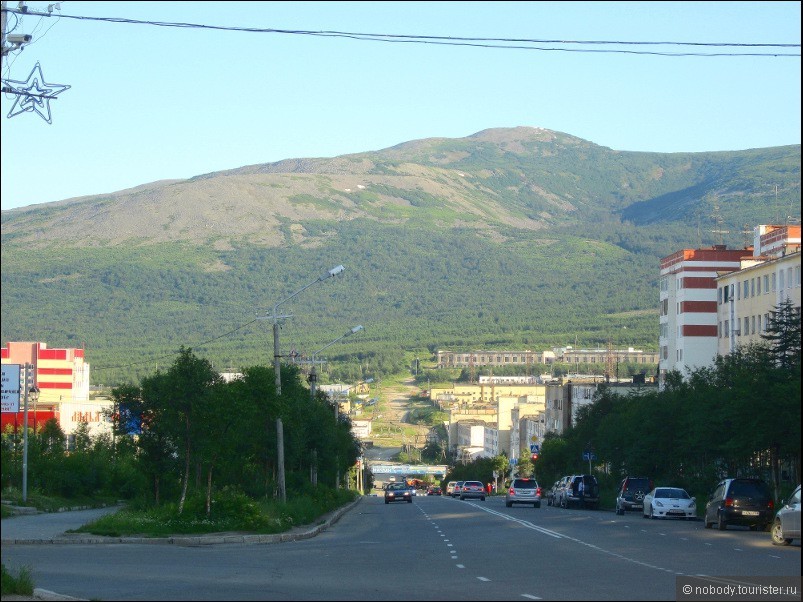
(631, 493)
(398, 492)
(745, 502)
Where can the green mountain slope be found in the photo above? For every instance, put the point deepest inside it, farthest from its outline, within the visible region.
(517, 237)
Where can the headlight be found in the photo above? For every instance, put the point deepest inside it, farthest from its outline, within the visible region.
(659, 504)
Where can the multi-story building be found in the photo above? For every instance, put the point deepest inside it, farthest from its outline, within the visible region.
(563, 355)
(62, 378)
(747, 297)
(688, 306)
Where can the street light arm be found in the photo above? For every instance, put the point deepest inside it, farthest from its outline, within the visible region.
(354, 330)
(327, 274)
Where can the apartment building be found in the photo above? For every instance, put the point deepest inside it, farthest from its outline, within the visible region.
(747, 297)
(688, 337)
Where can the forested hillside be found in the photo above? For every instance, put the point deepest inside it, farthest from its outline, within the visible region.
(509, 238)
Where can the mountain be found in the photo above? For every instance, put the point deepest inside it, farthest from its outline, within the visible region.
(514, 237)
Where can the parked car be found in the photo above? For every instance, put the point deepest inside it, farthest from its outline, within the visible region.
(666, 502)
(586, 496)
(523, 491)
(457, 487)
(398, 492)
(549, 494)
(740, 502)
(450, 488)
(631, 493)
(559, 490)
(786, 525)
(472, 489)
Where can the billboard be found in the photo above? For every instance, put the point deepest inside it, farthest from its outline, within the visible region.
(11, 388)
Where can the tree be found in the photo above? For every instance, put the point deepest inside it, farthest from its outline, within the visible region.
(783, 335)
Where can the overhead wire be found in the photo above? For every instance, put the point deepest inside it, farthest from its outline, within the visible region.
(479, 42)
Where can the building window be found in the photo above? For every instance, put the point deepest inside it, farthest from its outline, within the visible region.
(719, 296)
(774, 281)
(746, 289)
(781, 280)
(752, 287)
(738, 292)
(727, 330)
(758, 323)
(752, 325)
(766, 284)
(788, 277)
(746, 329)
(758, 285)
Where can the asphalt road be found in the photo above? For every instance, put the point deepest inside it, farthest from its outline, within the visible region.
(433, 549)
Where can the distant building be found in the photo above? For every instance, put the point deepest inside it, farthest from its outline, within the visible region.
(62, 377)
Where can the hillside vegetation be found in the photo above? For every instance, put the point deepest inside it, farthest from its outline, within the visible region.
(517, 237)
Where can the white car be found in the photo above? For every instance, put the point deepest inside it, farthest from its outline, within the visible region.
(669, 502)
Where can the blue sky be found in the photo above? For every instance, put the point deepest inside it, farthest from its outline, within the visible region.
(148, 103)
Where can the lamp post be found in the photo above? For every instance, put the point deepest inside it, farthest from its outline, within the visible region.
(313, 377)
(31, 391)
(276, 317)
(278, 374)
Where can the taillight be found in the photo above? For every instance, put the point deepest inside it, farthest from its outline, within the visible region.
(538, 492)
(512, 491)
(728, 502)
(770, 504)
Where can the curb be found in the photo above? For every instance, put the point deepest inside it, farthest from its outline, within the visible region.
(191, 540)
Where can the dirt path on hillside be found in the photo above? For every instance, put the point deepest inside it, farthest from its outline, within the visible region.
(395, 416)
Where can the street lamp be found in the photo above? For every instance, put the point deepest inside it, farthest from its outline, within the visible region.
(275, 317)
(278, 374)
(31, 392)
(313, 377)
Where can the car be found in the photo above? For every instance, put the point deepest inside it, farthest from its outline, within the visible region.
(786, 525)
(398, 492)
(559, 490)
(450, 488)
(631, 493)
(523, 491)
(667, 502)
(457, 487)
(434, 490)
(472, 489)
(580, 491)
(549, 494)
(740, 501)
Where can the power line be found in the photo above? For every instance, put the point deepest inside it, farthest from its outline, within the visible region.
(499, 43)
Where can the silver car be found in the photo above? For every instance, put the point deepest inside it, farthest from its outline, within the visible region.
(523, 491)
(786, 525)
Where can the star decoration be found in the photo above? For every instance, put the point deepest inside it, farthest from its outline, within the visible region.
(34, 94)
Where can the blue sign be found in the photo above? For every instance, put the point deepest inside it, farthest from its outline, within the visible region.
(589, 456)
(535, 449)
(513, 461)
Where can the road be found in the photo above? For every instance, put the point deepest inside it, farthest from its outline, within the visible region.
(433, 549)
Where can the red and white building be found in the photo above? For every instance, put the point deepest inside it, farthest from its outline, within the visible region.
(62, 377)
(688, 306)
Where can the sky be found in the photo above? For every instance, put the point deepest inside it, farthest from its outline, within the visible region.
(148, 103)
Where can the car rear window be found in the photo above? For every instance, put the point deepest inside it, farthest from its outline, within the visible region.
(524, 484)
(633, 484)
(750, 488)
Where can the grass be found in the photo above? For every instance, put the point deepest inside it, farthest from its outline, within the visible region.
(35, 499)
(231, 512)
(21, 584)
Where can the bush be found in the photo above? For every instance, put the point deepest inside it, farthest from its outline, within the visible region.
(21, 585)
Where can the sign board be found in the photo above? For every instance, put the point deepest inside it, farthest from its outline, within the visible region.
(534, 439)
(535, 449)
(11, 388)
(513, 461)
(589, 456)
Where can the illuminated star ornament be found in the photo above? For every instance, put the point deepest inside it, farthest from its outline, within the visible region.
(33, 94)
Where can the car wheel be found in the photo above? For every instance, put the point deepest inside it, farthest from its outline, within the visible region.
(537, 505)
(482, 499)
(462, 498)
(410, 501)
(508, 504)
(619, 511)
(722, 524)
(652, 516)
(777, 535)
(387, 502)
